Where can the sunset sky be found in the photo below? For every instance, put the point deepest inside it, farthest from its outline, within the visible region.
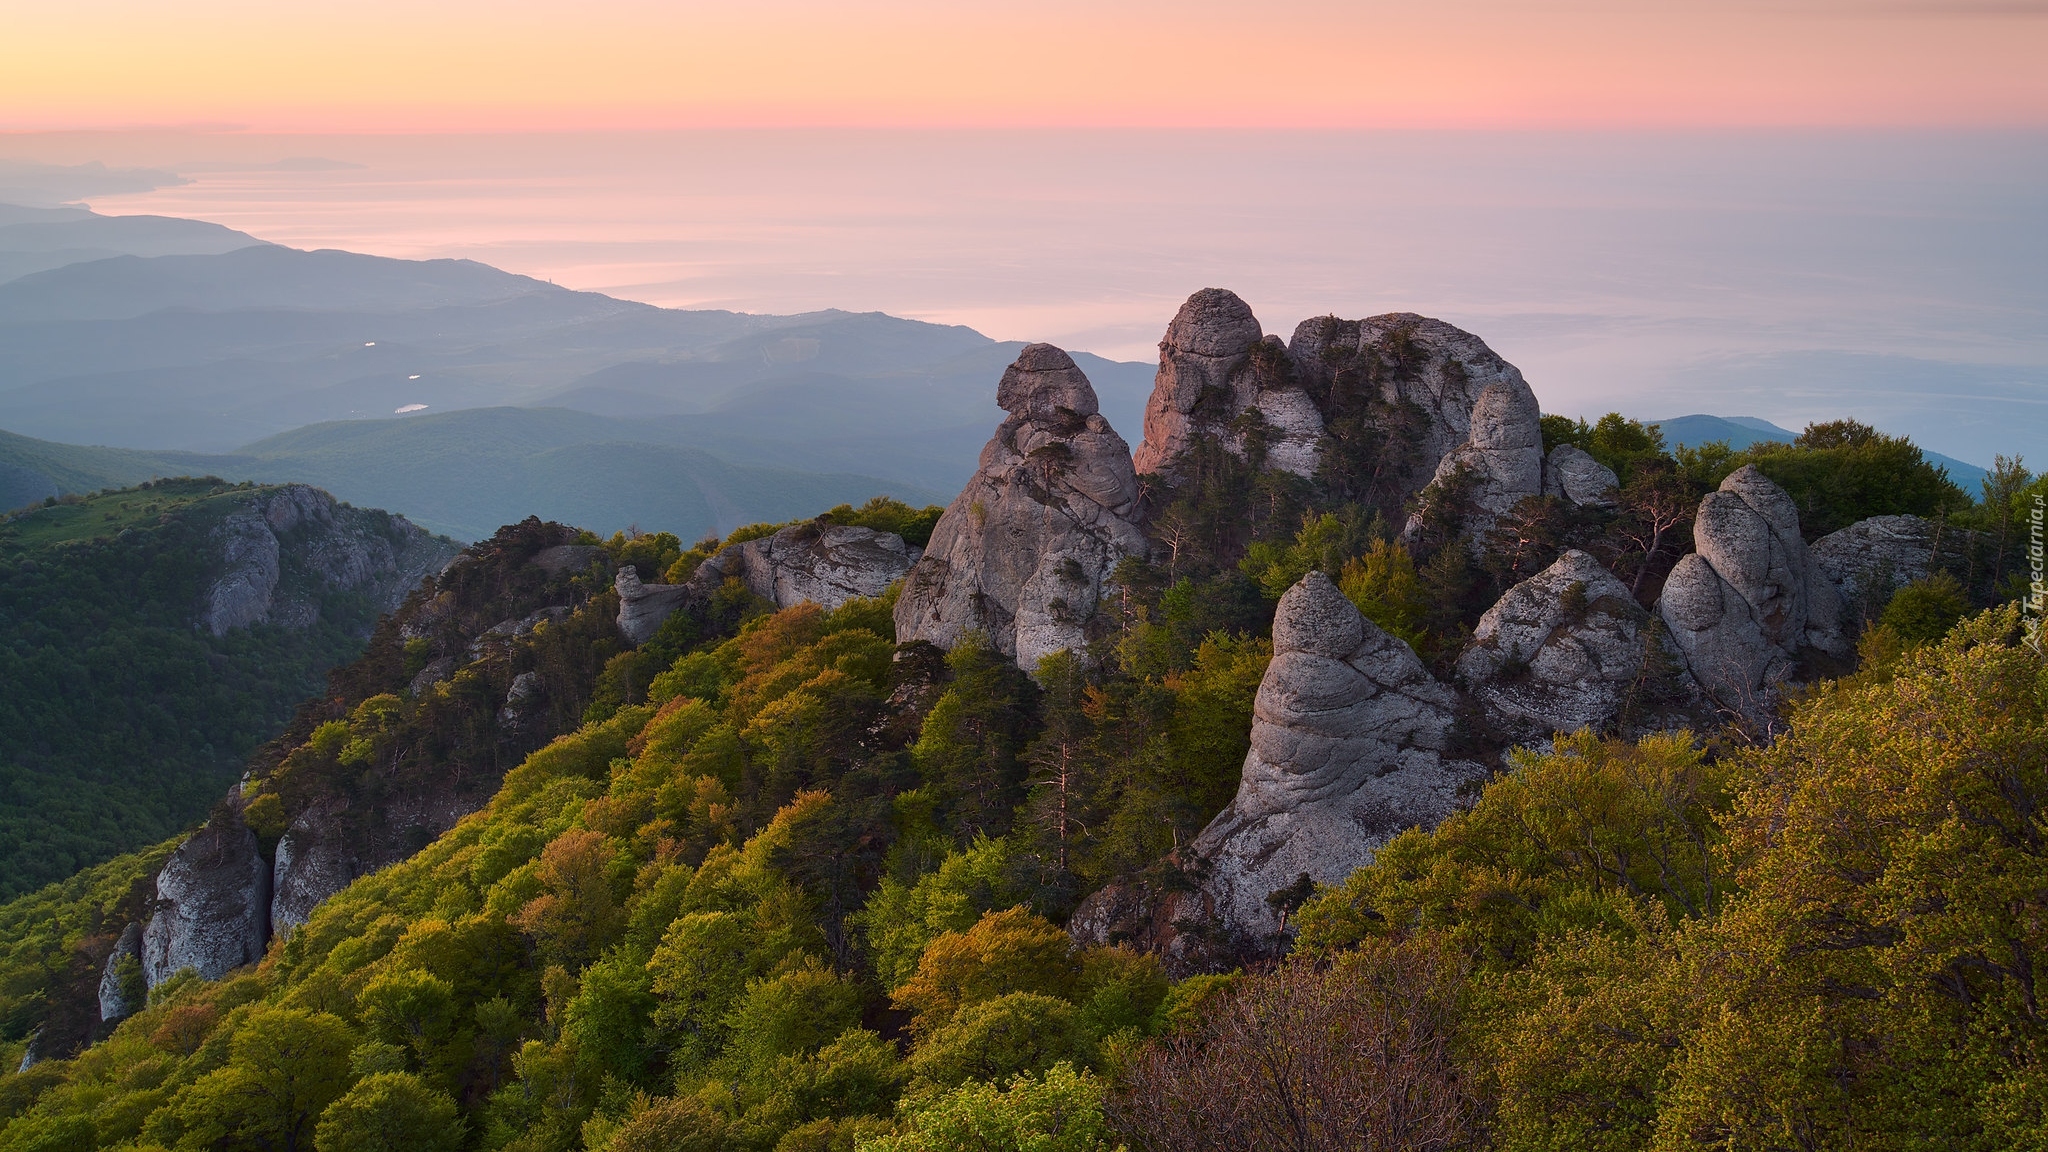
(382, 65)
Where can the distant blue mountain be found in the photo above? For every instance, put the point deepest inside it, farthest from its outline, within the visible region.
(1742, 431)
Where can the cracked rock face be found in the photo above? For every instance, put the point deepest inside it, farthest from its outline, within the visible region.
(116, 1001)
(1571, 473)
(327, 848)
(1751, 599)
(1503, 452)
(1022, 554)
(824, 564)
(1348, 737)
(1559, 651)
(643, 607)
(212, 903)
(1402, 358)
(1871, 559)
(1210, 378)
(300, 528)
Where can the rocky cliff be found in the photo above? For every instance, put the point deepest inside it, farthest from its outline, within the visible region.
(289, 545)
(1023, 553)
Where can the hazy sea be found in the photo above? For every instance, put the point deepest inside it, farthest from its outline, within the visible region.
(1901, 278)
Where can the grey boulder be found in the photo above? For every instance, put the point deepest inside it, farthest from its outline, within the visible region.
(1347, 749)
(1571, 473)
(1559, 651)
(1743, 607)
(814, 562)
(1022, 555)
(1871, 559)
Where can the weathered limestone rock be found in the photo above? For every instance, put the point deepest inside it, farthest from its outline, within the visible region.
(565, 559)
(1559, 651)
(1348, 737)
(1399, 359)
(1750, 600)
(824, 564)
(299, 529)
(329, 846)
(116, 999)
(212, 903)
(1503, 453)
(643, 607)
(1871, 559)
(1571, 473)
(1023, 552)
(1214, 367)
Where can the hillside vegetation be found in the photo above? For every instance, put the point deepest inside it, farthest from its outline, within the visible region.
(782, 883)
(122, 721)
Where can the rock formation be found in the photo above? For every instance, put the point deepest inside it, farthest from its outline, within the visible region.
(330, 845)
(1400, 359)
(643, 607)
(1559, 651)
(824, 564)
(117, 999)
(1502, 454)
(298, 531)
(1570, 473)
(1023, 552)
(1871, 559)
(1348, 739)
(815, 562)
(1750, 600)
(212, 906)
(1214, 367)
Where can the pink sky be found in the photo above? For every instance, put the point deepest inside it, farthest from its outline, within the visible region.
(382, 65)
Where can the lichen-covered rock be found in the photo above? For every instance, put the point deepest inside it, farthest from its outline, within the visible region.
(1750, 601)
(212, 907)
(117, 999)
(1871, 559)
(643, 607)
(1571, 473)
(1214, 368)
(299, 531)
(1022, 554)
(565, 559)
(1559, 651)
(1401, 359)
(1348, 739)
(814, 562)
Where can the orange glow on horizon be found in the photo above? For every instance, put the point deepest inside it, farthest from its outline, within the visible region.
(627, 64)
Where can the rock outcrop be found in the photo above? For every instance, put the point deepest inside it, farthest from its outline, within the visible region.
(1871, 559)
(1559, 651)
(1215, 366)
(118, 999)
(330, 845)
(1750, 601)
(212, 907)
(1022, 554)
(1348, 739)
(643, 607)
(1570, 473)
(289, 544)
(1398, 359)
(1502, 455)
(816, 562)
